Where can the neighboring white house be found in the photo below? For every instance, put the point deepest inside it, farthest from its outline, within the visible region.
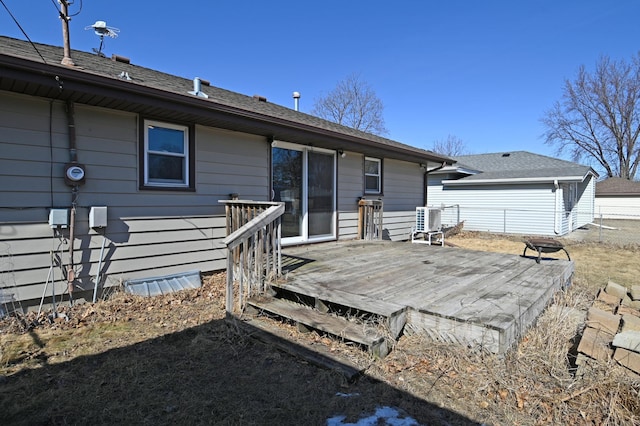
(618, 198)
(514, 192)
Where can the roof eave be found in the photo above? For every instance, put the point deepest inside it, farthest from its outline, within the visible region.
(75, 82)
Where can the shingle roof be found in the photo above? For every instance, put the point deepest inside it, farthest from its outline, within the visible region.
(268, 118)
(617, 186)
(520, 165)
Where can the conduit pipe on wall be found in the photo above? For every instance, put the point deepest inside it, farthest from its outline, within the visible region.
(74, 197)
(71, 125)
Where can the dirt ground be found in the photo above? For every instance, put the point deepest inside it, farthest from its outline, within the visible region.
(175, 360)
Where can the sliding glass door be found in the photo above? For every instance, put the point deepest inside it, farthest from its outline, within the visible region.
(304, 180)
(287, 182)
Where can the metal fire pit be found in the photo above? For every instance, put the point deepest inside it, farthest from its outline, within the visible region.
(544, 245)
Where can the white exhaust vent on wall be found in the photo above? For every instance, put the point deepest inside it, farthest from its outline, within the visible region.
(98, 217)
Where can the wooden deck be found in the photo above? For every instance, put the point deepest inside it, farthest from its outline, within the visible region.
(451, 294)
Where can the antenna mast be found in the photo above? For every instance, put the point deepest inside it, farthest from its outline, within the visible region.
(101, 29)
(64, 16)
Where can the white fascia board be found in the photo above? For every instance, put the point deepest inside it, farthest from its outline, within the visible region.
(467, 171)
(457, 169)
(513, 180)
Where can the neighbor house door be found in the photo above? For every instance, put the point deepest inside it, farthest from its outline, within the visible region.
(570, 193)
(304, 179)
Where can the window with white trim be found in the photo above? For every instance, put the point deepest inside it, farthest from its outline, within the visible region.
(372, 175)
(167, 156)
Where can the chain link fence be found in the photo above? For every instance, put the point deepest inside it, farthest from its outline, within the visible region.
(610, 231)
(617, 228)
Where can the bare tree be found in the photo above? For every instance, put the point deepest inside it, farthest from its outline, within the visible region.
(352, 103)
(452, 146)
(599, 117)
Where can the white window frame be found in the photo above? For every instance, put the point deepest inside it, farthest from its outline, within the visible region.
(304, 237)
(377, 175)
(185, 155)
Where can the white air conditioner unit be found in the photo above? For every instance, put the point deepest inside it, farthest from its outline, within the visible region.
(428, 219)
(428, 228)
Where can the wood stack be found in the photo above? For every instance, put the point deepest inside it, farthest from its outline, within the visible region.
(613, 329)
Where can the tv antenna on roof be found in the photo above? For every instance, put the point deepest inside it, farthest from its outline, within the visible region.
(101, 29)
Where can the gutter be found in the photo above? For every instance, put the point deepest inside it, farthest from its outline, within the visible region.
(513, 180)
(425, 181)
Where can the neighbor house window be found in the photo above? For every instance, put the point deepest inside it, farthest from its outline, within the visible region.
(372, 175)
(167, 156)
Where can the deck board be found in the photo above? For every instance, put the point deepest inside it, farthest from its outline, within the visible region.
(462, 295)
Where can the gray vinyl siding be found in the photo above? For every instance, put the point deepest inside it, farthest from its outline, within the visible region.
(517, 209)
(403, 186)
(149, 233)
(350, 189)
(231, 163)
(167, 247)
(402, 192)
(25, 158)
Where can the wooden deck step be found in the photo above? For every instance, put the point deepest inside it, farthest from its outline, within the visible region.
(362, 334)
(394, 315)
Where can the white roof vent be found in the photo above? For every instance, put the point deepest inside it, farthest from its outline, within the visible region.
(197, 86)
(296, 101)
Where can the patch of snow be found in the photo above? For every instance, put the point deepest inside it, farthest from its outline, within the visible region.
(391, 416)
(347, 395)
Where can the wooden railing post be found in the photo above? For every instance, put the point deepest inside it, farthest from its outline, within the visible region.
(370, 219)
(253, 249)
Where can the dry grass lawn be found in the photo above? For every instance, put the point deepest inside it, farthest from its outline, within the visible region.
(175, 360)
(596, 263)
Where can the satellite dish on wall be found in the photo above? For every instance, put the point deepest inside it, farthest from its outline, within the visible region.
(101, 29)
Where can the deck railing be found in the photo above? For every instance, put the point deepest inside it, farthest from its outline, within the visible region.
(254, 255)
(370, 219)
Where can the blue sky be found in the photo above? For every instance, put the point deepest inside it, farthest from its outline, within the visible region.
(483, 71)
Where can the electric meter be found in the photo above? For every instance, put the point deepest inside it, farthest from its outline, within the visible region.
(74, 174)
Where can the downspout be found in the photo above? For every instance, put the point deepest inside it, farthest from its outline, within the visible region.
(425, 181)
(555, 208)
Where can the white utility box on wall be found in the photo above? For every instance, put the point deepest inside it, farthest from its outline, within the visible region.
(58, 218)
(98, 217)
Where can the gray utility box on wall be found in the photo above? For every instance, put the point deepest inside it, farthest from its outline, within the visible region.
(98, 217)
(58, 218)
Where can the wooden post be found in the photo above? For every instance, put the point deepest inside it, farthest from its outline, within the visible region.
(380, 218)
(360, 220)
(229, 298)
(278, 248)
(370, 219)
